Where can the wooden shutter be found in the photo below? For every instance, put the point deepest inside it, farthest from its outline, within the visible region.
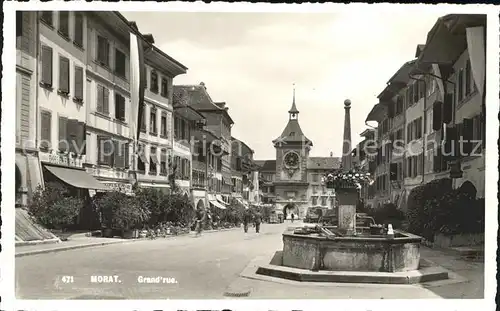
(19, 23)
(47, 65)
(45, 132)
(64, 144)
(390, 109)
(72, 134)
(126, 159)
(79, 83)
(82, 138)
(100, 98)
(467, 134)
(437, 121)
(105, 100)
(393, 171)
(118, 156)
(64, 75)
(447, 108)
(122, 108)
(78, 29)
(449, 145)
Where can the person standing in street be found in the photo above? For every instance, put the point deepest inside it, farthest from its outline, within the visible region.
(247, 217)
(257, 220)
(293, 216)
(199, 222)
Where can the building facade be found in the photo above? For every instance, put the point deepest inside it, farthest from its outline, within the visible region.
(28, 171)
(318, 195)
(242, 166)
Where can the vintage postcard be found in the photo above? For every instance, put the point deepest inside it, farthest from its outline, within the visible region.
(188, 156)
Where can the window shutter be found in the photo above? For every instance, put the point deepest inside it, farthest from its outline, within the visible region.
(63, 141)
(72, 134)
(467, 131)
(391, 109)
(82, 138)
(118, 156)
(393, 171)
(105, 100)
(437, 122)
(19, 23)
(47, 65)
(447, 108)
(45, 133)
(100, 98)
(78, 29)
(126, 157)
(449, 145)
(64, 74)
(122, 108)
(79, 83)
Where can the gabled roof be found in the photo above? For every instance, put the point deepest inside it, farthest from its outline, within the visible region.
(198, 97)
(323, 163)
(266, 165)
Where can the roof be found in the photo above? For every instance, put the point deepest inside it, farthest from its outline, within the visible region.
(326, 163)
(249, 150)
(197, 96)
(367, 132)
(292, 134)
(377, 113)
(294, 107)
(266, 165)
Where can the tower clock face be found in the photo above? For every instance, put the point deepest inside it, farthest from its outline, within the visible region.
(291, 160)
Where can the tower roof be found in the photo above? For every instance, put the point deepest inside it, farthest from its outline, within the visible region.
(294, 108)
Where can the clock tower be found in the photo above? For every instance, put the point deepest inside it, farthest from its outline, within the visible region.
(292, 152)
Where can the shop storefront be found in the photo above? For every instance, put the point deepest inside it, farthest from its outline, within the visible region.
(68, 171)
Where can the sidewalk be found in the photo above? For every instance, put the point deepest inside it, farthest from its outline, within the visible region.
(82, 241)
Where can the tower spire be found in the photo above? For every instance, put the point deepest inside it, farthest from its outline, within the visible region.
(346, 145)
(293, 111)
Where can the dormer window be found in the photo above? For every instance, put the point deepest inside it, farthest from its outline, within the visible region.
(292, 133)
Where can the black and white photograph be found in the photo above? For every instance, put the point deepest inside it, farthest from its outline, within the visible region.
(246, 155)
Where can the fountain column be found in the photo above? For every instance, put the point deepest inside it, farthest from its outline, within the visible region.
(347, 196)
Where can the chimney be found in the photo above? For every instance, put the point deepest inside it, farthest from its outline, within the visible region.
(203, 84)
(149, 38)
(331, 154)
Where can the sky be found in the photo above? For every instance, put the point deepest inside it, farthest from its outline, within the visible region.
(251, 61)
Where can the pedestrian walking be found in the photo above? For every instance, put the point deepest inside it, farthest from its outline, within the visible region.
(257, 221)
(199, 224)
(247, 218)
(293, 216)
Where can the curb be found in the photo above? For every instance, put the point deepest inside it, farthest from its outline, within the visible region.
(38, 242)
(67, 248)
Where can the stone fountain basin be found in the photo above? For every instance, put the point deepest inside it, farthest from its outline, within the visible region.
(353, 253)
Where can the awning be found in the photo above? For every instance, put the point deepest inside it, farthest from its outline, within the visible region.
(377, 113)
(220, 199)
(188, 112)
(211, 197)
(76, 178)
(241, 201)
(217, 204)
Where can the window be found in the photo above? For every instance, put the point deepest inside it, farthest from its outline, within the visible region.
(469, 82)
(314, 200)
(152, 121)
(105, 148)
(46, 66)
(153, 161)
(102, 51)
(120, 154)
(63, 75)
(63, 135)
(164, 87)
(46, 133)
(64, 23)
(315, 177)
(78, 38)
(47, 17)
(119, 107)
(120, 61)
(399, 105)
(78, 84)
(315, 189)
(163, 125)
(154, 82)
(142, 125)
(324, 201)
(102, 99)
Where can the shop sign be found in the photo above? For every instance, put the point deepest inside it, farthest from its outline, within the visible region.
(60, 159)
(121, 187)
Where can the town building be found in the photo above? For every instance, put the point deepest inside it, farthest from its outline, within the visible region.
(110, 147)
(28, 171)
(242, 167)
(208, 143)
(441, 94)
(365, 160)
(455, 49)
(156, 138)
(317, 167)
